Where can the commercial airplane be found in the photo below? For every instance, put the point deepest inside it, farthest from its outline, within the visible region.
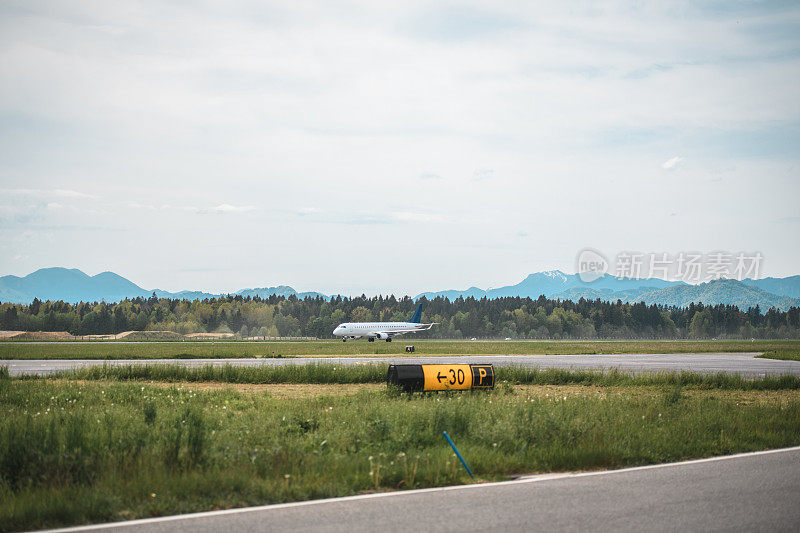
(382, 330)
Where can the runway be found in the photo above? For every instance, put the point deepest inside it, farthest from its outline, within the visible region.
(707, 363)
(746, 492)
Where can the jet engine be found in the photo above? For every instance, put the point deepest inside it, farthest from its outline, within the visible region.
(381, 336)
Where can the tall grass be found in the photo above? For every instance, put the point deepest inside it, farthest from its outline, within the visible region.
(309, 373)
(721, 380)
(78, 452)
(376, 373)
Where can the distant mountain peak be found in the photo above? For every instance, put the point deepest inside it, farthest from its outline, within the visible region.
(58, 271)
(107, 274)
(554, 274)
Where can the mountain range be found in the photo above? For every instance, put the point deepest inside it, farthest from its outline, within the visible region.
(714, 292)
(73, 285)
(781, 293)
(556, 284)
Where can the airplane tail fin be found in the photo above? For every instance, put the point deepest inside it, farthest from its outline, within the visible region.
(416, 318)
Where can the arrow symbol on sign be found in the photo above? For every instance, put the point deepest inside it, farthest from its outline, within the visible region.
(439, 376)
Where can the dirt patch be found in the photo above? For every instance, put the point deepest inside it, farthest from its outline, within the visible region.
(154, 335)
(551, 391)
(745, 397)
(209, 336)
(276, 390)
(44, 336)
(289, 390)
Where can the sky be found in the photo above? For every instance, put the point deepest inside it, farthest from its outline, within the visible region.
(393, 147)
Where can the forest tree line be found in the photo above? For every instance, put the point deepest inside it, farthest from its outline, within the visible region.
(516, 318)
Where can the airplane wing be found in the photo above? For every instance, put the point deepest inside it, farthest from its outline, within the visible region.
(393, 333)
(422, 327)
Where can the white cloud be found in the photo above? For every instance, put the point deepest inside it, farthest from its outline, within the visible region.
(407, 216)
(220, 209)
(137, 205)
(228, 208)
(64, 193)
(672, 163)
(67, 193)
(483, 174)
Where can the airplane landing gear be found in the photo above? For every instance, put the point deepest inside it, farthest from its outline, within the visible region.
(389, 339)
(371, 339)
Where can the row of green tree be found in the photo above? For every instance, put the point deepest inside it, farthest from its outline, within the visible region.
(461, 318)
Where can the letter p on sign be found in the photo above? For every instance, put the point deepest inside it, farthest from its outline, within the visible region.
(482, 376)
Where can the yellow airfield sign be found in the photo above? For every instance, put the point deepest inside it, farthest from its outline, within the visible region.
(441, 377)
(447, 377)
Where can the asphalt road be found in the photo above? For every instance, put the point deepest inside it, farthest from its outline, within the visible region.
(709, 363)
(748, 492)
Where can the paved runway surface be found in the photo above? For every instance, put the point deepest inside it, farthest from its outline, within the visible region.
(709, 363)
(749, 492)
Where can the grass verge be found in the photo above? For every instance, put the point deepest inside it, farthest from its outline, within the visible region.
(163, 350)
(782, 353)
(78, 452)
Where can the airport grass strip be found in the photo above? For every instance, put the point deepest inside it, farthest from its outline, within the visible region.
(783, 354)
(323, 373)
(78, 452)
(241, 349)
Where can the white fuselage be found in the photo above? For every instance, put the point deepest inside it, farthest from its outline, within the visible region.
(377, 330)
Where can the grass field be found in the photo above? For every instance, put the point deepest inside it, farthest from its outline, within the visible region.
(82, 451)
(141, 350)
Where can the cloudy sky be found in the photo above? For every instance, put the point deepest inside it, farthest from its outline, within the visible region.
(392, 147)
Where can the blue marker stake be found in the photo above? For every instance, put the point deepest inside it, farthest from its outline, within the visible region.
(463, 462)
